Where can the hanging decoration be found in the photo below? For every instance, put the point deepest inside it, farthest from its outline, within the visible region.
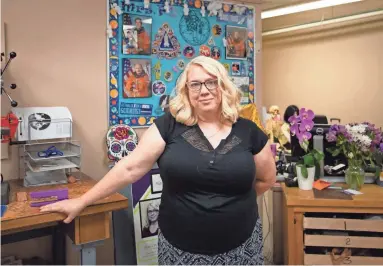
(121, 140)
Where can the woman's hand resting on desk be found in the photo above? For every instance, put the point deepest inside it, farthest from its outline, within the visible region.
(71, 208)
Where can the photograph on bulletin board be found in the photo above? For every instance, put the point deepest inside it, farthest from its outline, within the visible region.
(137, 78)
(136, 34)
(151, 42)
(236, 38)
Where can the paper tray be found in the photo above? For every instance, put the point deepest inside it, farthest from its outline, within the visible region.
(56, 164)
(70, 149)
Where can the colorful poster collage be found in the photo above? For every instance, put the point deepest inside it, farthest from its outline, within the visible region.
(151, 42)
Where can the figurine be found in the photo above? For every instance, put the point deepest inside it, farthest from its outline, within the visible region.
(146, 4)
(213, 8)
(117, 8)
(167, 7)
(203, 11)
(186, 9)
(273, 126)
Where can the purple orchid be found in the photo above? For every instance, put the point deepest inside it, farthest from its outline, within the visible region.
(301, 125)
(304, 136)
(306, 114)
(294, 129)
(342, 129)
(294, 119)
(381, 147)
(331, 136)
(334, 128)
(306, 125)
(376, 140)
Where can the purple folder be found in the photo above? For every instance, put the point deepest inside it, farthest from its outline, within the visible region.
(59, 194)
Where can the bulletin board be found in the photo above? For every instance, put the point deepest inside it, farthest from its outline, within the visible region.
(149, 44)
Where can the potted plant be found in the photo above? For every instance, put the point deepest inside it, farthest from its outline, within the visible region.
(301, 125)
(358, 142)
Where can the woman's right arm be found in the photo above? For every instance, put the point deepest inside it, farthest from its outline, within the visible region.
(130, 168)
(126, 171)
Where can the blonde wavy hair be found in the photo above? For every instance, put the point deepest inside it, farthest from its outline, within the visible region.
(180, 106)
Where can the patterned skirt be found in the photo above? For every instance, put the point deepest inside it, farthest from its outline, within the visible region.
(249, 253)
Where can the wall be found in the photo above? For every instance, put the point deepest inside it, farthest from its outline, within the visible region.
(336, 72)
(61, 61)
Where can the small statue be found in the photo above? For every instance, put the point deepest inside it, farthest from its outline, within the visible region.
(273, 126)
(167, 7)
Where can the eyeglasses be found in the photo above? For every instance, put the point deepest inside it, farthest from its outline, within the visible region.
(196, 86)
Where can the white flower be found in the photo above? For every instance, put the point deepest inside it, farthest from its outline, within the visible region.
(366, 140)
(350, 155)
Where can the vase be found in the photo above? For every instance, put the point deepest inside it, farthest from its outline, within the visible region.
(303, 182)
(354, 175)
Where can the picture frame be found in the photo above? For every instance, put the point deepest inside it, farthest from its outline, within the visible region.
(236, 38)
(136, 78)
(149, 212)
(136, 34)
(156, 183)
(243, 84)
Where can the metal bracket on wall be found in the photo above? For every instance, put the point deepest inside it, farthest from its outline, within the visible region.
(88, 252)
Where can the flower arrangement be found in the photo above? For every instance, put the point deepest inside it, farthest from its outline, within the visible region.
(301, 125)
(360, 143)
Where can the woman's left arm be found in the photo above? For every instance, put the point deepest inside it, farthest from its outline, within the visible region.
(265, 176)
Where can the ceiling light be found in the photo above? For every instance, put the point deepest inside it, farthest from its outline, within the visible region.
(304, 7)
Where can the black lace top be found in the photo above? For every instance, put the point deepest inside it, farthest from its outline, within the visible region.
(208, 203)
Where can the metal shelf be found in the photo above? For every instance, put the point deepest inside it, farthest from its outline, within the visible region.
(51, 165)
(69, 149)
(54, 169)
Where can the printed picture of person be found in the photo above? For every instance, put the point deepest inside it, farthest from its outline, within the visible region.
(130, 41)
(236, 42)
(137, 81)
(136, 37)
(149, 217)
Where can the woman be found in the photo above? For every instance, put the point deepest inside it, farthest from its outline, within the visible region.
(151, 227)
(290, 111)
(213, 165)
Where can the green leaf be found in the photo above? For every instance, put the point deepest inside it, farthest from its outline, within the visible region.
(304, 171)
(318, 155)
(305, 145)
(308, 160)
(335, 152)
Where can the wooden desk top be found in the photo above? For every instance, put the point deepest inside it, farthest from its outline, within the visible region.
(372, 197)
(21, 214)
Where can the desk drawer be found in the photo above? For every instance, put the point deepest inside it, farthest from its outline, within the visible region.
(343, 224)
(343, 241)
(316, 259)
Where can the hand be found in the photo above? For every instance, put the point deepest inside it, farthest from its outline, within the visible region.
(71, 208)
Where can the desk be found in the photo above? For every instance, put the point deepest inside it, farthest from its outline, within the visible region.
(90, 228)
(298, 203)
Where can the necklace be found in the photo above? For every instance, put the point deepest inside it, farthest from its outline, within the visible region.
(215, 133)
